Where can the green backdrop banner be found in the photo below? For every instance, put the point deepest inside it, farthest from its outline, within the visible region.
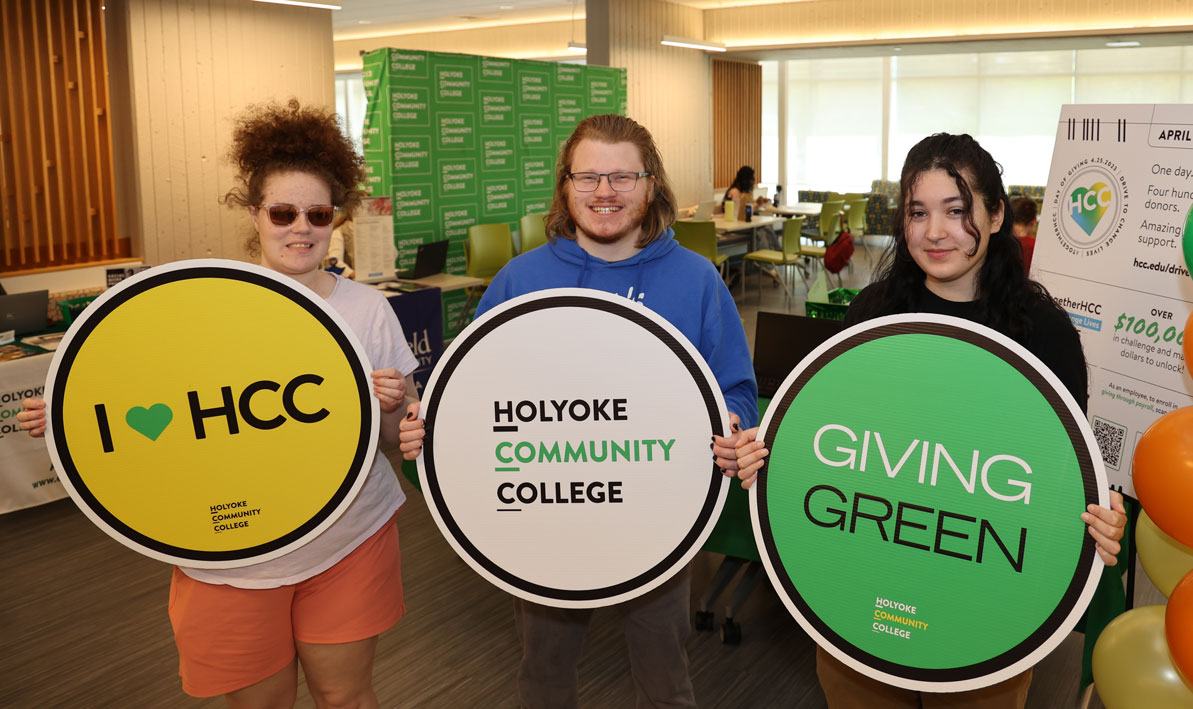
(459, 140)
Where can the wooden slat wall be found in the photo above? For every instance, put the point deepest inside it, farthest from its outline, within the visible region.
(669, 88)
(57, 204)
(737, 119)
(193, 66)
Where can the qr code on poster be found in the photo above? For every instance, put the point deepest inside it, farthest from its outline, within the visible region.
(1110, 437)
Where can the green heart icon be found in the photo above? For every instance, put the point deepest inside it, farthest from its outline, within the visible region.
(149, 422)
(1089, 211)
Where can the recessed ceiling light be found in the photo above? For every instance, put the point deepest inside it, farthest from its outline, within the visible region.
(505, 7)
(298, 3)
(688, 43)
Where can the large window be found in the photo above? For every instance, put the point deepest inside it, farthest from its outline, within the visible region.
(836, 136)
(350, 104)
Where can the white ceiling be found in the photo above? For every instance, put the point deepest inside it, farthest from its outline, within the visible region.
(360, 18)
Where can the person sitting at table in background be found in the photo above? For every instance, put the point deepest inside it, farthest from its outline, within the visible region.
(953, 253)
(740, 191)
(241, 632)
(1024, 228)
(609, 228)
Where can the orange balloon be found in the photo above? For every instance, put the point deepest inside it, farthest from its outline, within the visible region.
(1178, 627)
(1163, 473)
(1186, 346)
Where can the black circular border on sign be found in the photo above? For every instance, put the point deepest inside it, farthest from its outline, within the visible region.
(1071, 595)
(93, 321)
(436, 494)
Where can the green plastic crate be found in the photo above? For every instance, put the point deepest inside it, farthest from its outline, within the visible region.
(826, 311)
(839, 300)
(842, 296)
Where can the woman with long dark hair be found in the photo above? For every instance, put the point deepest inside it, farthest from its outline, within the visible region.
(954, 254)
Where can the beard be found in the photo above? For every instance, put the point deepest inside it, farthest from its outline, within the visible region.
(632, 216)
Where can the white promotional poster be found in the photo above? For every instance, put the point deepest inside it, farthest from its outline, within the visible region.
(567, 455)
(373, 250)
(1109, 249)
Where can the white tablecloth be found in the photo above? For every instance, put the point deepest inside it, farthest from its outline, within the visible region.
(27, 477)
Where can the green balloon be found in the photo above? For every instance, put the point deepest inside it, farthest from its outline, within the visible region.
(1132, 666)
(1187, 239)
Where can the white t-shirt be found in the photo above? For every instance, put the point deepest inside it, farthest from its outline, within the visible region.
(375, 325)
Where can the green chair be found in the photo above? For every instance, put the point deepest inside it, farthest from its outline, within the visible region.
(489, 247)
(794, 255)
(534, 231)
(828, 223)
(855, 217)
(701, 237)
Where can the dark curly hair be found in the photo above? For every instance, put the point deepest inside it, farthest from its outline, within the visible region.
(270, 138)
(1004, 292)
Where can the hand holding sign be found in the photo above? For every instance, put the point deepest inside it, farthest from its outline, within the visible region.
(194, 447)
(557, 472)
(32, 417)
(945, 511)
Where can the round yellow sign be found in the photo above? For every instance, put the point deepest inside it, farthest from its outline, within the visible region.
(211, 413)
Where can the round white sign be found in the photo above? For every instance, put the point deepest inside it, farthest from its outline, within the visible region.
(567, 452)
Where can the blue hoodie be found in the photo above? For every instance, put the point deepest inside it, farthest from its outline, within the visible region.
(677, 283)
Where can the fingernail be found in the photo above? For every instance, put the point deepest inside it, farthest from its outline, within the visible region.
(712, 438)
(722, 470)
(736, 427)
(710, 445)
(409, 414)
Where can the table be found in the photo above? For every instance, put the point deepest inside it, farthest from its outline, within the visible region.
(27, 476)
(799, 209)
(447, 281)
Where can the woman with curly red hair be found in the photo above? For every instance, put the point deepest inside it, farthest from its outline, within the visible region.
(243, 632)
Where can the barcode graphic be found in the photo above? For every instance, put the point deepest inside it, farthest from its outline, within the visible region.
(1092, 129)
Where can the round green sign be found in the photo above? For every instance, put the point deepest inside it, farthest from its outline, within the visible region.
(919, 513)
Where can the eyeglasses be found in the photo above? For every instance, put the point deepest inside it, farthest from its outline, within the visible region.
(285, 214)
(619, 181)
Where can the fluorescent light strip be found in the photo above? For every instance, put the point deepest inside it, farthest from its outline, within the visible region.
(578, 47)
(687, 43)
(1123, 43)
(318, 5)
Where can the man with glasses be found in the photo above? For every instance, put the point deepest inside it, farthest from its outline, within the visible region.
(609, 228)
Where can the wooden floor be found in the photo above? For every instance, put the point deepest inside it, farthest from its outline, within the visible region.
(83, 624)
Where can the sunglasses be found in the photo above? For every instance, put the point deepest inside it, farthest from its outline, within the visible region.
(285, 214)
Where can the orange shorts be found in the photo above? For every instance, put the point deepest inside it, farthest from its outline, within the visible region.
(229, 638)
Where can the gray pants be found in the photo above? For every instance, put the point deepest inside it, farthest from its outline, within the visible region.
(656, 627)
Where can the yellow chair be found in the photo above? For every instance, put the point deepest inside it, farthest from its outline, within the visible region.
(534, 231)
(489, 247)
(701, 237)
(829, 222)
(793, 254)
(855, 217)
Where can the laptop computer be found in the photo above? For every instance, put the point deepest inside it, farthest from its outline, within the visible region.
(704, 210)
(24, 312)
(430, 259)
(781, 341)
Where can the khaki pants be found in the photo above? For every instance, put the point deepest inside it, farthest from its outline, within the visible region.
(656, 626)
(846, 688)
